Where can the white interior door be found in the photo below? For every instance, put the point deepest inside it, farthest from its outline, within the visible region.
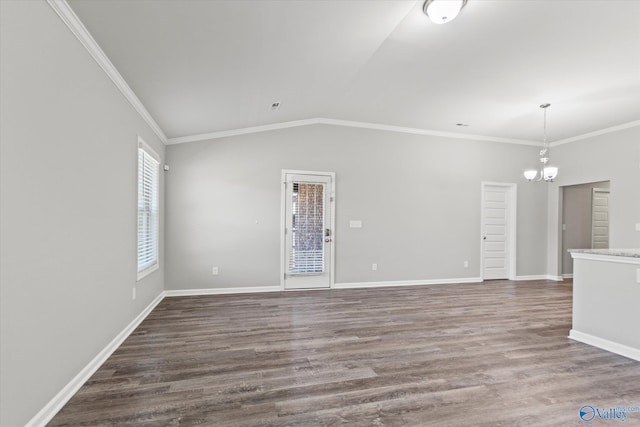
(600, 218)
(496, 229)
(308, 230)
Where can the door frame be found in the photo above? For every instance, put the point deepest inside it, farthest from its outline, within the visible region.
(283, 219)
(512, 190)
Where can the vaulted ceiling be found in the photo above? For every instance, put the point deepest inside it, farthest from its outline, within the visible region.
(202, 66)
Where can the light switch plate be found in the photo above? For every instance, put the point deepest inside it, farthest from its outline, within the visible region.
(355, 223)
(638, 226)
(638, 275)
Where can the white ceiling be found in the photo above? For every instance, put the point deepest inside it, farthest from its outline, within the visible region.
(202, 66)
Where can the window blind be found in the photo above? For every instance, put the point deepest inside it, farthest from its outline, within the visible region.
(148, 215)
(307, 247)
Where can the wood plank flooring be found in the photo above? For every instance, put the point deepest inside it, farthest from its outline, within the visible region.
(494, 354)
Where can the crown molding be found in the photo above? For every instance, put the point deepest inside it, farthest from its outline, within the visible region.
(419, 131)
(242, 131)
(345, 123)
(596, 133)
(69, 17)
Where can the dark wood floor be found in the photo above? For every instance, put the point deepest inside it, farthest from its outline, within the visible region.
(490, 354)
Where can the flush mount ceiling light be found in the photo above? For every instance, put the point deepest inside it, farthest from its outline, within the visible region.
(443, 11)
(547, 172)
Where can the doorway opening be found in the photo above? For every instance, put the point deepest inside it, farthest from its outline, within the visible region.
(585, 220)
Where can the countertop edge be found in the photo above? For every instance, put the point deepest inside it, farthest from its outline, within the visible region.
(605, 257)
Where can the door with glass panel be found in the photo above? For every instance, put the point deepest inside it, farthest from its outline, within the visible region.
(308, 233)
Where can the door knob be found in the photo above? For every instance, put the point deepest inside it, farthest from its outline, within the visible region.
(484, 237)
(327, 240)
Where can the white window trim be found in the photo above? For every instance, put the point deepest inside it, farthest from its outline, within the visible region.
(151, 152)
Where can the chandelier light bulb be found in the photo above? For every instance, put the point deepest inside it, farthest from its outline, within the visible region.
(530, 174)
(550, 173)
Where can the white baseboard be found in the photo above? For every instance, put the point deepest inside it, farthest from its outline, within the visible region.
(567, 276)
(354, 285)
(220, 291)
(613, 347)
(540, 277)
(533, 277)
(47, 413)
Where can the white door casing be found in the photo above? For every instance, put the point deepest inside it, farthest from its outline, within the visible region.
(600, 218)
(498, 231)
(307, 229)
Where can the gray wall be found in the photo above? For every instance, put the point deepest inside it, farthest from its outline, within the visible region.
(418, 198)
(613, 157)
(576, 217)
(68, 209)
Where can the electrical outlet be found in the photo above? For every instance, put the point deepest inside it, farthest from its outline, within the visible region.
(638, 226)
(214, 271)
(466, 264)
(134, 293)
(374, 267)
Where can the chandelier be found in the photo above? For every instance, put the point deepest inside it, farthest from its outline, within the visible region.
(546, 171)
